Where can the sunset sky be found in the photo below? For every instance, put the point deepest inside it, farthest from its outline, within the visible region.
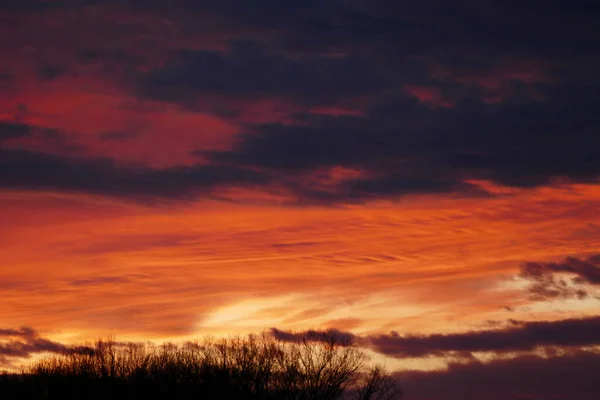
(422, 176)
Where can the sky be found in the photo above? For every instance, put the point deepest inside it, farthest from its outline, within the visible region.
(420, 177)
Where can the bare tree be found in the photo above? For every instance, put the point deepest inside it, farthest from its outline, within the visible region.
(377, 384)
(253, 367)
(328, 367)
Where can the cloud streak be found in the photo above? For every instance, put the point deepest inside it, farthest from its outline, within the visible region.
(518, 337)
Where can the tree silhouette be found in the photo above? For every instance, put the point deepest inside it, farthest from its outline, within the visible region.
(251, 367)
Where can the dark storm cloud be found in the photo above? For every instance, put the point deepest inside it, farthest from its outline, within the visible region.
(504, 91)
(560, 377)
(538, 125)
(28, 170)
(389, 158)
(410, 148)
(519, 336)
(404, 40)
(249, 70)
(548, 285)
(429, 27)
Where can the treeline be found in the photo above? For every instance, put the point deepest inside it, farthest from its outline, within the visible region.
(252, 367)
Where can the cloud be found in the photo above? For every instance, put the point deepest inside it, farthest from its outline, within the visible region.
(116, 135)
(587, 270)
(15, 135)
(10, 130)
(397, 44)
(6, 80)
(44, 5)
(525, 336)
(441, 95)
(314, 336)
(519, 337)
(24, 331)
(21, 169)
(22, 343)
(520, 116)
(548, 284)
(250, 70)
(404, 147)
(51, 72)
(562, 377)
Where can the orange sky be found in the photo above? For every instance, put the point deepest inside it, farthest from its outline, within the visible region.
(83, 267)
(162, 179)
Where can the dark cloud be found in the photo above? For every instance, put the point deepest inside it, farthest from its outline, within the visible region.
(466, 34)
(106, 54)
(560, 377)
(504, 91)
(25, 5)
(547, 284)
(16, 130)
(404, 147)
(6, 81)
(113, 135)
(51, 72)
(24, 342)
(9, 130)
(518, 337)
(314, 336)
(24, 331)
(250, 70)
(587, 270)
(525, 336)
(517, 108)
(399, 41)
(16, 135)
(28, 170)
(44, 5)
(564, 372)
